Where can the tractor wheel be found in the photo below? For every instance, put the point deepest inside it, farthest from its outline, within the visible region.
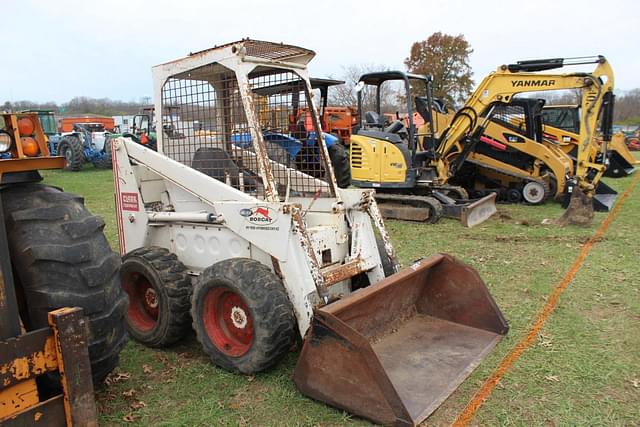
(71, 149)
(242, 315)
(514, 195)
(159, 289)
(535, 192)
(61, 258)
(340, 162)
(105, 161)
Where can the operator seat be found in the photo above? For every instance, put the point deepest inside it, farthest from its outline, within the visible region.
(372, 119)
(216, 163)
(394, 127)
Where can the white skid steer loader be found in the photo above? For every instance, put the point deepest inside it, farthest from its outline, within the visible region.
(238, 229)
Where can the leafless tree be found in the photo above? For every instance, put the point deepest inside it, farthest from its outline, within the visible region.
(345, 94)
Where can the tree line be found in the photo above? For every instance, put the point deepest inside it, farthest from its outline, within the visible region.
(443, 56)
(82, 105)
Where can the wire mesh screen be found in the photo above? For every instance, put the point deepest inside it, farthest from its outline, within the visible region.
(511, 117)
(205, 126)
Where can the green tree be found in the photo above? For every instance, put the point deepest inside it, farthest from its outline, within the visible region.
(446, 58)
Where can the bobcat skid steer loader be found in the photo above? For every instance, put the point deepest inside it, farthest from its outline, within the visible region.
(242, 233)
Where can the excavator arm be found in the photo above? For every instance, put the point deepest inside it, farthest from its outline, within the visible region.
(501, 86)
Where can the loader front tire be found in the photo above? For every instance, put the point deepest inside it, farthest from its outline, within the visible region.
(61, 258)
(242, 315)
(159, 291)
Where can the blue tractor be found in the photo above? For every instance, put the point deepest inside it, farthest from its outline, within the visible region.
(88, 142)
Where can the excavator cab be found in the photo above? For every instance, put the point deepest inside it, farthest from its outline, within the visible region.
(398, 159)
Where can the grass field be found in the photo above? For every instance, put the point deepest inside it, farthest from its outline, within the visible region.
(583, 370)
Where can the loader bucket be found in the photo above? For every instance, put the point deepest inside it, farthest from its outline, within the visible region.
(394, 351)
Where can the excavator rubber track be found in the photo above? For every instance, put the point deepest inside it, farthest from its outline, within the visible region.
(542, 182)
(431, 208)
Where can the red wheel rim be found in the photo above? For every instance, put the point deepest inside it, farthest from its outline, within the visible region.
(143, 302)
(227, 321)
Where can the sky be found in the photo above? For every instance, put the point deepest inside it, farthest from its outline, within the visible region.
(58, 49)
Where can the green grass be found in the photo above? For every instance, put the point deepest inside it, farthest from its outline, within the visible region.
(583, 370)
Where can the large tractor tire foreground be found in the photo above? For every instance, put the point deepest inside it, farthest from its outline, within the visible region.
(61, 258)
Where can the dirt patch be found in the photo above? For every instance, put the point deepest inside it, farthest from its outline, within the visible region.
(579, 212)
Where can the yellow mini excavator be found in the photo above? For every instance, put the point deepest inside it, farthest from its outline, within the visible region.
(428, 163)
(522, 161)
(389, 158)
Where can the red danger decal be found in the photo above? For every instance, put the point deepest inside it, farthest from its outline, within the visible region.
(130, 202)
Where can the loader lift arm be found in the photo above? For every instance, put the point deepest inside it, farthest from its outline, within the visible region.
(509, 80)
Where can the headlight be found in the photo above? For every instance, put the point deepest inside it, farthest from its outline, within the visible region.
(5, 142)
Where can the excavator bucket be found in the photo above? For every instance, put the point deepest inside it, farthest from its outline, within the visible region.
(605, 198)
(579, 209)
(619, 166)
(580, 206)
(394, 351)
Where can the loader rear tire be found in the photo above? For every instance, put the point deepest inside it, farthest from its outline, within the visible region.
(61, 258)
(242, 315)
(340, 162)
(159, 291)
(71, 149)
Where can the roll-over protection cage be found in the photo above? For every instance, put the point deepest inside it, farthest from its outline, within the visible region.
(240, 117)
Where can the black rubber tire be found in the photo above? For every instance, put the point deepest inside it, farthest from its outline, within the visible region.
(61, 258)
(552, 182)
(264, 294)
(340, 162)
(71, 148)
(172, 286)
(513, 195)
(105, 162)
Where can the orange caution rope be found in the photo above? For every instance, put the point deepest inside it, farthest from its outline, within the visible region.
(485, 391)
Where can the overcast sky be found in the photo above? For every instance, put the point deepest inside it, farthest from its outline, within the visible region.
(58, 49)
